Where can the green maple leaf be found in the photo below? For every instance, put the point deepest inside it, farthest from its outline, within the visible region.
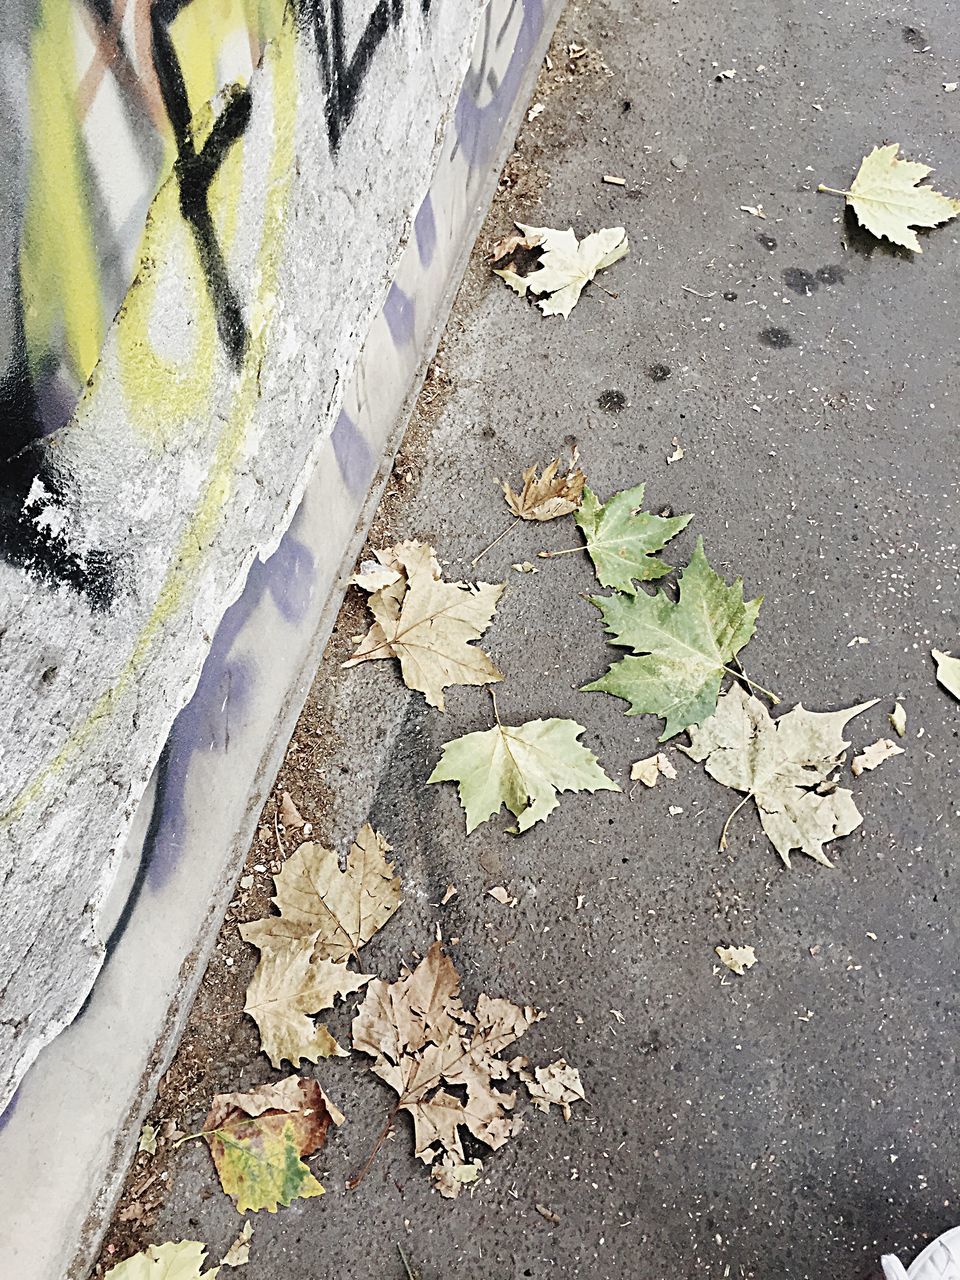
(683, 648)
(620, 538)
(522, 767)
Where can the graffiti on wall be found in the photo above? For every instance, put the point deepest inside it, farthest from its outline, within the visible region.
(123, 125)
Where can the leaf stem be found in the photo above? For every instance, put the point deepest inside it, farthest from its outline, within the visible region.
(740, 675)
(832, 191)
(726, 825)
(411, 1274)
(477, 559)
(493, 695)
(567, 551)
(354, 1181)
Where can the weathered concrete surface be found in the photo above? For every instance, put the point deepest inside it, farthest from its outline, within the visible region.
(194, 824)
(799, 1121)
(186, 458)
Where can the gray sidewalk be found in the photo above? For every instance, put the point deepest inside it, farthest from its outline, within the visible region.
(801, 1120)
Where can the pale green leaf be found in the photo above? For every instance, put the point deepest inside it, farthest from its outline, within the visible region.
(888, 201)
(948, 671)
(786, 766)
(621, 538)
(682, 648)
(566, 265)
(522, 767)
(182, 1261)
(238, 1255)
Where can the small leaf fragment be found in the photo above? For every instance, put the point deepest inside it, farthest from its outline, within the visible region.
(681, 648)
(737, 959)
(566, 265)
(238, 1255)
(148, 1140)
(181, 1261)
(650, 770)
(888, 201)
(554, 494)
(874, 755)
(898, 720)
(787, 766)
(522, 767)
(622, 537)
(289, 813)
(948, 671)
(555, 1085)
(257, 1140)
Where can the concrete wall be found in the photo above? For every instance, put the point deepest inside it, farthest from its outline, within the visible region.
(239, 178)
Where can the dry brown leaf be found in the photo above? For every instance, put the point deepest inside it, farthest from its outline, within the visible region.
(425, 1043)
(339, 910)
(238, 1255)
(500, 893)
(429, 624)
(289, 813)
(873, 756)
(548, 497)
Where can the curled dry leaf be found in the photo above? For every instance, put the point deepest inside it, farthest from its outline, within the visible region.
(238, 1255)
(522, 767)
(289, 813)
(428, 624)
(737, 959)
(326, 916)
(257, 1140)
(650, 770)
(898, 720)
(786, 766)
(148, 1140)
(181, 1261)
(682, 648)
(622, 537)
(566, 265)
(874, 755)
(424, 1043)
(948, 671)
(888, 201)
(554, 494)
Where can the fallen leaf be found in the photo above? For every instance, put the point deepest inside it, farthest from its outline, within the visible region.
(522, 767)
(450, 1176)
(425, 1043)
(857, 640)
(339, 911)
(621, 538)
(675, 811)
(678, 452)
(291, 984)
(503, 247)
(148, 1140)
(450, 893)
(786, 766)
(738, 959)
(650, 770)
(525, 567)
(566, 264)
(898, 719)
(888, 202)
(238, 1255)
(548, 497)
(874, 755)
(948, 671)
(428, 625)
(165, 1262)
(257, 1138)
(289, 813)
(548, 1214)
(951, 86)
(558, 1085)
(683, 647)
(500, 893)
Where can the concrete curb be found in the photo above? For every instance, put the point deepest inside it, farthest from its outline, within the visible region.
(193, 827)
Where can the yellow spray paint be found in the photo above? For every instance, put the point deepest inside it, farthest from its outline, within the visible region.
(189, 557)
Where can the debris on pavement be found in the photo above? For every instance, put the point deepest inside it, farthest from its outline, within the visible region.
(898, 720)
(874, 755)
(565, 266)
(238, 1255)
(650, 770)
(948, 671)
(554, 494)
(737, 959)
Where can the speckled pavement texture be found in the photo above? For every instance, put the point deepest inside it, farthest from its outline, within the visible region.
(797, 1122)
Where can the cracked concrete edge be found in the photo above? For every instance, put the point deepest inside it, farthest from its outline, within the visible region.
(38, 1179)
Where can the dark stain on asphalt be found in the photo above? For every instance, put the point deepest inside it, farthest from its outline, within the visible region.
(915, 38)
(831, 275)
(775, 337)
(659, 372)
(800, 281)
(612, 401)
(768, 242)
